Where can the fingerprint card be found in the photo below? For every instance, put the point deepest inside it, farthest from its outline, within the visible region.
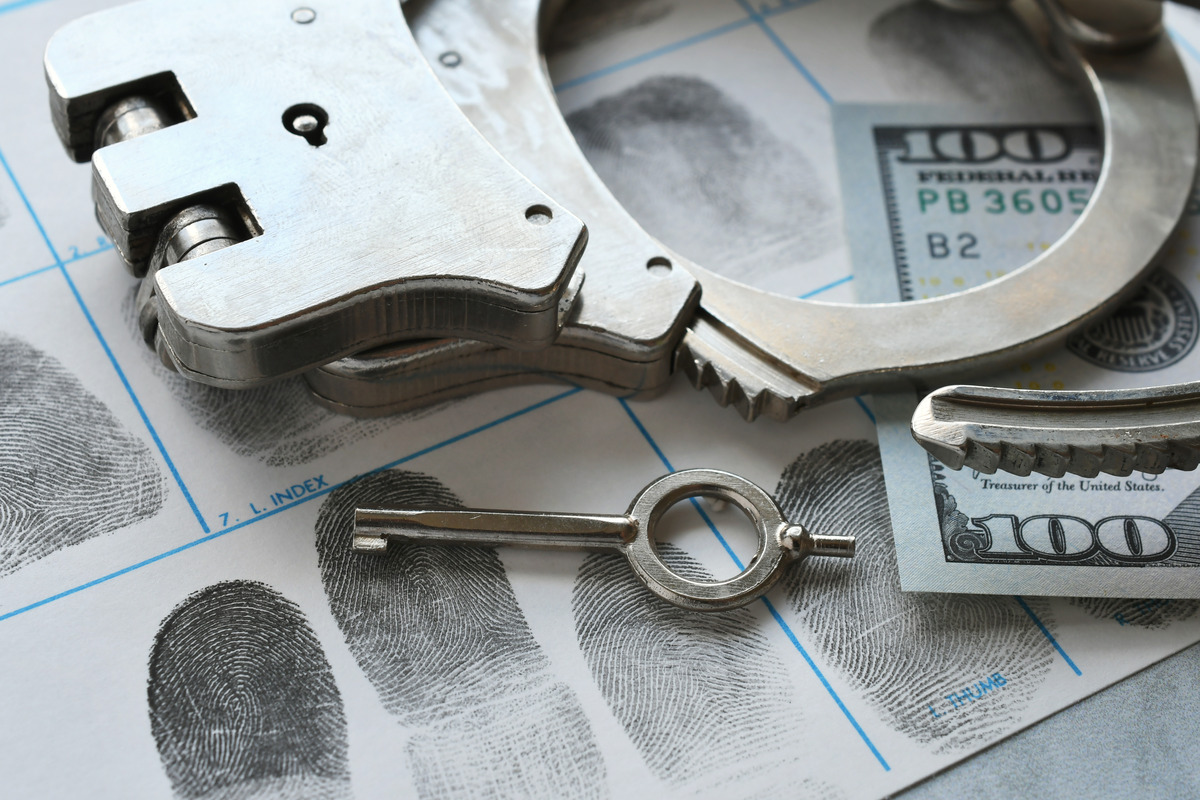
(182, 610)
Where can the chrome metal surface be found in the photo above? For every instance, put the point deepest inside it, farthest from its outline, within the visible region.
(409, 375)
(194, 232)
(779, 541)
(1110, 24)
(772, 355)
(622, 335)
(1053, 433)
(130, 118)
(403, 222)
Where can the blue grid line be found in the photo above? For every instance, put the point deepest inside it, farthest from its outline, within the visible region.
(827, 287)
(762, 23)
(62, 267)
(136, 402)
(17, 4)
(38, 271)
(671, 468)
(824, 682)
(866, 409)
(210, 537)
(653, 54)
(771, 608)
(1049, 636)
(1187, 46)
(29, 207)
(70, 260)
(646, 435)
(786, 6)
(712, 527)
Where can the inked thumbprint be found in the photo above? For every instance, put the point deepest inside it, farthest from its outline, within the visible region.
(935, 54)
(242, 700)
(1151, 614)
(702, 174)
(947, 670)
(438, 632)
(69, 471)
(695, 692)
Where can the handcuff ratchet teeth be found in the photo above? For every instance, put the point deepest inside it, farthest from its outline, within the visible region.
(771, 355)
(1022, 431)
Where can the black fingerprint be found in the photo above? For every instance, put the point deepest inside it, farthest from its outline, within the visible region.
(242, 701)
(907, 653)
(278, 424)
(698, 171)
(932, 53)
(694, 691)
(69, 471)
(583, 22)
(1152, 614)
(438, 632)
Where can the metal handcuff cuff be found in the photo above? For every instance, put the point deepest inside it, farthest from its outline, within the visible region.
(301, 195)
(763, 353)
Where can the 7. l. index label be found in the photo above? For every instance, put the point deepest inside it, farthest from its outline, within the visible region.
(298, 491)
(285, 496)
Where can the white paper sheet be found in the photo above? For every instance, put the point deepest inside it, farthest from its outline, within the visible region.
(140, 516)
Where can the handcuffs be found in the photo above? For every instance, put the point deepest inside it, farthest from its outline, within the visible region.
(315, 190)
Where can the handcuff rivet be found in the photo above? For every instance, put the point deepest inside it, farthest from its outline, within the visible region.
(658, 266)
(539, 215)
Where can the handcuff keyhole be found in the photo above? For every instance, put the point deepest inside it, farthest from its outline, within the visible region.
(307, 121)
(696, 536)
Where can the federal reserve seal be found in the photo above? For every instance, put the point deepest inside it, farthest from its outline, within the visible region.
(1155, 329)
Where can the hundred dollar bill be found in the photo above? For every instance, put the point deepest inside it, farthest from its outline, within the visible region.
(940, 203)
